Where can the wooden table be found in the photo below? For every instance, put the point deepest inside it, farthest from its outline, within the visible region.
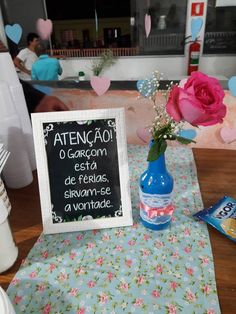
(217, 177)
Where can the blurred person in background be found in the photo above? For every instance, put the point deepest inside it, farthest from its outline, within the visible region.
(26, 57)
(45, 68)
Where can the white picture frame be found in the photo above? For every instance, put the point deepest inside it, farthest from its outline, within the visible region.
(56, 120)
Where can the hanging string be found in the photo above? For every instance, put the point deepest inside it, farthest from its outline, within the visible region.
(96, 19)
(148, 6)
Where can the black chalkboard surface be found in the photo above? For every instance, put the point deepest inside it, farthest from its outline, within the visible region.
(82, 169)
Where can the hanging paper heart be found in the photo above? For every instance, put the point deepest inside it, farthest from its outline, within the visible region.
(228, 135)
(44, 28)
(147, 23)
(143, 134)
(232, 85)
(196, 25)
(44, 89)
(147, 87)
(190, 134)
(100, 84)
(14, 32)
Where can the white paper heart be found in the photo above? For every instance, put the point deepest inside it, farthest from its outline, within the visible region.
(147, 23)
(228, 135)
(44, 28)
(100, 84)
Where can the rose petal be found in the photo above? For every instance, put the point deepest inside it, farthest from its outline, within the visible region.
(189, 111)
(173, 103)
(183, 82)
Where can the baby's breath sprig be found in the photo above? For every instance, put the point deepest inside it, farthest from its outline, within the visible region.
(163, 127)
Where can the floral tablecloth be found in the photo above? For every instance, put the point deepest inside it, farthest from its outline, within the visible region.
(130, 269)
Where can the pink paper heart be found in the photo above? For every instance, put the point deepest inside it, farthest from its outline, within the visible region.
(44, 28)
(228, 135)
(147, 24)
(143, 134)
(100, 84)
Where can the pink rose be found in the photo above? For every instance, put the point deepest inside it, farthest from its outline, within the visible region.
(156, 294)
(199, 101)
(91, 284)
(47, 308)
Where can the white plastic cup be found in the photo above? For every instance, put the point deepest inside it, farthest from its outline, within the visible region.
(6, 306)
(17, 172)
(8, 249)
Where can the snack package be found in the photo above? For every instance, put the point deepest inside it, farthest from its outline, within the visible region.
(221, 216)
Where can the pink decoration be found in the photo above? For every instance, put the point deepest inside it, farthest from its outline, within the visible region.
(228, 135)
(143, 134)
(44, 28)
(199, 102)
(157, 211)
(100, 84)
(147, 24)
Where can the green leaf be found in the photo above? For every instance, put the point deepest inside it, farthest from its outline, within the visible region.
(156, 150)
(184, 140)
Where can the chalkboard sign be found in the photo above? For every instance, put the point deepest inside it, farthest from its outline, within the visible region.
(82, 169)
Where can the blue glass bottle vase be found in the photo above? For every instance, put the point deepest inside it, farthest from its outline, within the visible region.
(155, 188)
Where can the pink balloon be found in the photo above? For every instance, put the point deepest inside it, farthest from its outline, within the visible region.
(147, 24)
(100, 84)
(44, 28)
(228, 135)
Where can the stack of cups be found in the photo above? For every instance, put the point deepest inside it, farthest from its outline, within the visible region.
(5, 303)
(4, 196)
(8, 249)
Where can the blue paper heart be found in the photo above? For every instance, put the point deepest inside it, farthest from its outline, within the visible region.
(14, 32)
(232, 85)
(44, 89)
(139, 84)
(147, 87)
(196, 25)
(190, 134)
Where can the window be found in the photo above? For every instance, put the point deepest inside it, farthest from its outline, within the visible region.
(168, 19)
(220, 32)
(119, 25)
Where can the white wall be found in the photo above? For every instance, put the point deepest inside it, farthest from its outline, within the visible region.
(134, 68)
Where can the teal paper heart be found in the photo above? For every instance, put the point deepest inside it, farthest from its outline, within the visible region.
(190, 134)
(14, 32)
(44, 89)
(196, 25)
(147, 87)
(232, 85)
